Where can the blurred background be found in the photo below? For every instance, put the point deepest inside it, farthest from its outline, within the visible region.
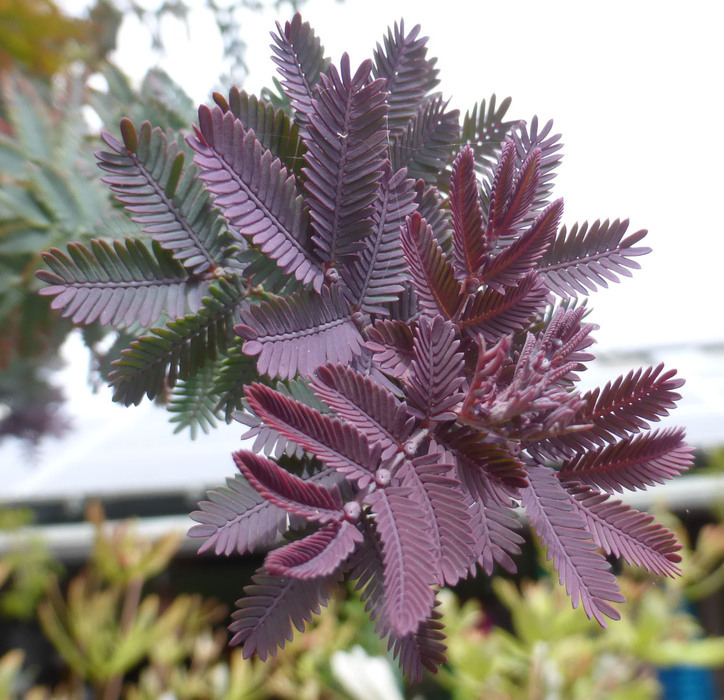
(635, 90)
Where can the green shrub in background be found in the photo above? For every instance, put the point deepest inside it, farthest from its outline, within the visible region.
(117, 638)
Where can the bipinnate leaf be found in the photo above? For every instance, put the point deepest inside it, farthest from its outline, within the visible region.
(486, 474)
(266, 439)
(272, 606)
(512, 193)
(436, 211)
(255, 192)
(632, 463)
(622, 531)
(566, 339)
(298, 334)
(499, 537)
(581, 568)
(625, 406)
(237, 518)
(286, 490)
(585, 258)
(318, 555)
(433, 276)
(527, 140)
(338, 444)
(375, 276)
(367, 568)
(450, 515)
(273, 128)
(411, 566)
(494, 315)
(366, 405)
(146, 172)
(391, 343)
(299, 56)
(154, 361)
(423, 649)
(487, 468)
(193, 403)
(435, 377)
(117, 283)
(509, 266)
(426, 145)
(346, 147)
(485, 130)
(409, 75)
(467, 216)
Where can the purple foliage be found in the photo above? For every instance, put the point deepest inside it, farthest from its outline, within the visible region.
(415, 331)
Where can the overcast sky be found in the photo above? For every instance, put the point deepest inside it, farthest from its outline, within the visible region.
(634, 87)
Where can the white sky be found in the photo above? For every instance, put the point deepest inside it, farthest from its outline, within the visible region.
(634, 87)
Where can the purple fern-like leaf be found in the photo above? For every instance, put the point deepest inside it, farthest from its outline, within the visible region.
(632, 463)
(527, 140)
(286, 490)
(625, 532)
(339, 445)
(423, 649)
(237, 518)
(513, 263)
(146, 174)
(435, 377)
(485, 130)
(501, 191)
(367, 568)
(320, 554)
(391, 343)
(467, 217)
(499, 537)
(411, 566)
(627, 405)
(434, 209)
(298, 334)
(512, 193)
(449, 516)
(256, 193)
(118, 283)
(366, 405)
(485, 459)
(490, 505)
(272, 606)
(375, 276)
(425, 146)
(492, 314)
(583, 259)
(409, 75)
(346, 149)
(581, 568)
(300, 59)
(433, 276)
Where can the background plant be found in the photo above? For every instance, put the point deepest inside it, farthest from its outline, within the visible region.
(413, 401)
(546, 646)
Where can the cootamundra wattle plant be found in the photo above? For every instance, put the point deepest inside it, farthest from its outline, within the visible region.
(404, 286)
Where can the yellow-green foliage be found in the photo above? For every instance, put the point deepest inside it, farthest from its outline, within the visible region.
(123, 641)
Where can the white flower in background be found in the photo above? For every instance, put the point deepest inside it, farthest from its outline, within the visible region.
(365, 677)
